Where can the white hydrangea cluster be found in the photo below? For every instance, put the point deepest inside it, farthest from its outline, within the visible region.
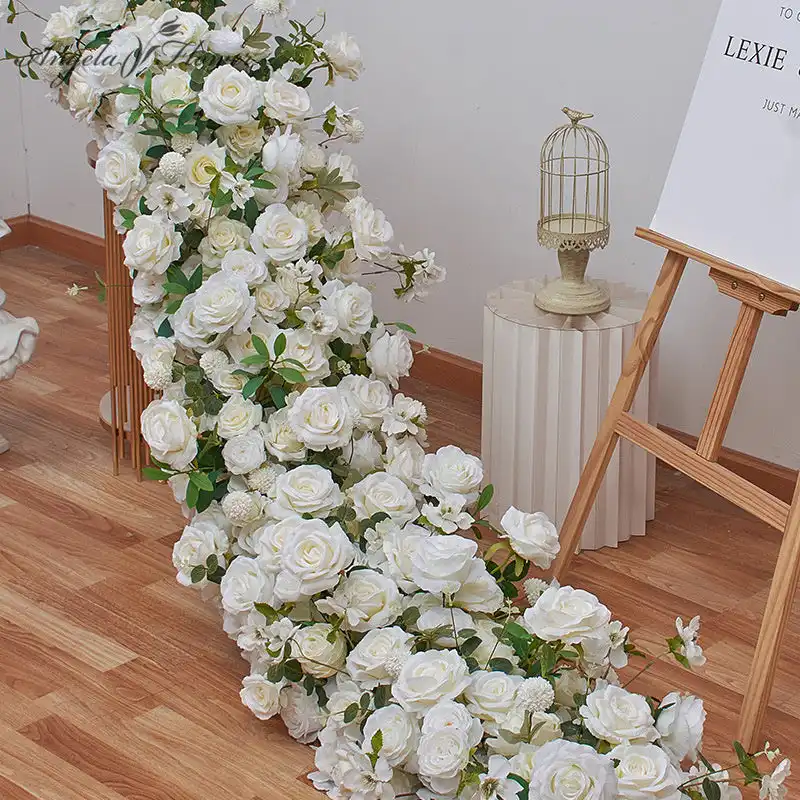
(334, 541)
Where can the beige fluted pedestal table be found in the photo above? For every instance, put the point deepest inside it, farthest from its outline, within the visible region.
(547, 381)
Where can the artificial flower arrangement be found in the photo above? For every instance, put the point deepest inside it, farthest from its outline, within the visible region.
(331, 541)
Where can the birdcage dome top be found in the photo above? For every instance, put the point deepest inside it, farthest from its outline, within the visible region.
(574, 187)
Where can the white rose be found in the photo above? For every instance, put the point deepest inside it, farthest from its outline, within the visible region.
(109, 13)
(148, 287)
(445, 623)
(569, 683)
(118, 170)
(222, 236)
(244, 584)
(268, 541)
(378, 657)
(261, 696)
(365, 454)
(390, 357)
(201, 538)
(304, 347)
(514, 731)
(564, 770)
(169, 433)
(644, 772)
(532, 536)
(365, 599)
(428, 677)
(203, 164)
(225, 41)
(309, 489)
(271, 301)
(223, 303)
(312, 217)
(448, 714)
(313, 555)
(313, 157)
(441, 757)
(63, 25)
(317, 654)
(301, 713)
(345, 164)
(617, 716)
(321, 418)
(281, 154)
(172, 84)
(344, 55)
(244, 453)
(180, 28)
(280, 439)
(286, 102)
(230, 96)
(479, 590)
(372, 232)
(404, 458)
(398, 549)
(238, 416)
(382, 493)
(441, 564)
(279, 235)
(568, 614)
(399, 730)
(680, 725)
(245, 265)
(242, 141)
(151, 245)
(452, 471)
(369, 400)
(350, 306)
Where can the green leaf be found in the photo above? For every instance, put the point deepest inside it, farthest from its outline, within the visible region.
(252, 386)
(157, 150)
(711, 789)
(212, 563)
(280, 344)
(196, 279)
(260, 346)
(175, 288)
(351, 712)
(187, 114)
(485, 497)
(470, 646)
(501, 665)
(291, 375)
(155, 474)
(128, 90)
(376, 742)
(268, 611)
(262, 184)
(275, 673)
(278, 395)
(405, 327)
(292, 670)
(192, 494)
(198, 573)
(165, 329)
(251, 361)
(202, 481)
(381, 695)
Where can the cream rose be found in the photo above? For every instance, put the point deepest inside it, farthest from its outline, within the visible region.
(279, 235)
(404, 458)
(320, 651)
(369, 400)
(378, 657)
(271, 301)
(390, 357)
(644, 772)
(151, 245)
(617, 716)
(568, 614)
(320, 418)
(428, 677)
(238, 416)
(222, 236)
(244, 584)
(230, 96)
(344, 55)
(261, 696)
(245, 265)
(222, 304)
(490, 695)
(564, 770)
(203, 164)
(171, 85)
(280, 439)
(441, 564)
(244, 453)
(118, 170)
(201, 538)
(242, 141)
(365, 599)
(350, 306)
(372, 232)
(169, 433)
(285, 102)
(532, 536)
(380, 493)
(309, 489)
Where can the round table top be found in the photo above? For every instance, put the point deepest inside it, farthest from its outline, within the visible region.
(515, 302)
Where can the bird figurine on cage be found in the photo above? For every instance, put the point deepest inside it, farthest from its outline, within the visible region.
(574, 214)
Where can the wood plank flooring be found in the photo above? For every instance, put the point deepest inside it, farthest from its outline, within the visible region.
(115, 682)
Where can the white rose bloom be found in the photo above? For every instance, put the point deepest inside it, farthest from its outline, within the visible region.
(303, 346)
(479, 590)
(426, 678)
(151, 245)
(225, 41)
(379, 656)
(281, 154)
(321, 418)
(398, 548)
(383, 493)
(441, 564)
(568, 614)
(242, 141)
(400, 731)
(222, 304)
(313, 158)
(644, 772)
(369, 400)
(390, 357)
(201, 538)
(451, 471)
(564, 770)
(441, 757)
(365, 454)
(230, 96)
(346, 693)
(617, 716)
(285, 102)
(261, 696)
(447, 715)
(350, 306)
(532, 536)
(238, 416)
(312, 217)
(301, 713)
(344, 55)
(309, 489)
(404, 458)
(180, 27)
(244, 453)
(372, 232)
(268, 541)
(279, 235)
(63, 25)
(109, 13)
(680, 725)
(203, 164)
(222, 236)
(299, 278)
(313, 555)
(317, 655)
(365, 599)
(280, 439)
(271, 301)
(245, 265)
(568, 684)
(118, 170)
(244, 584)
(169, 433)
(170, 85)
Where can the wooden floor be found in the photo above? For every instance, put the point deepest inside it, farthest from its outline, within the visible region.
(115, 682)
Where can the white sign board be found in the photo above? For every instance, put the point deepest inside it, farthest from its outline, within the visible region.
(733, 189)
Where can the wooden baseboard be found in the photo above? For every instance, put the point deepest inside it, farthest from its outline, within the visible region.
(55, 237)
(440, 368)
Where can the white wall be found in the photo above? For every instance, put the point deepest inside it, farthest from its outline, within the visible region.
(13, 178)
(457, 97)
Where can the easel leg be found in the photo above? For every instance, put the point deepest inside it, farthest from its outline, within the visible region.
(632, 372)
(773, 627)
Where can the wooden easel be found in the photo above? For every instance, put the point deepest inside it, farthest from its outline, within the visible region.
(757, 296)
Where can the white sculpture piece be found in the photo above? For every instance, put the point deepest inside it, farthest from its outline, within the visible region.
(17, 341)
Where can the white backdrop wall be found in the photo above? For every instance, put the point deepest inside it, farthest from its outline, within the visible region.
(13, 177)
(457, 98)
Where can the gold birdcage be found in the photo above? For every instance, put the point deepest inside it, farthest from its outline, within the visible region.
(574, 214)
